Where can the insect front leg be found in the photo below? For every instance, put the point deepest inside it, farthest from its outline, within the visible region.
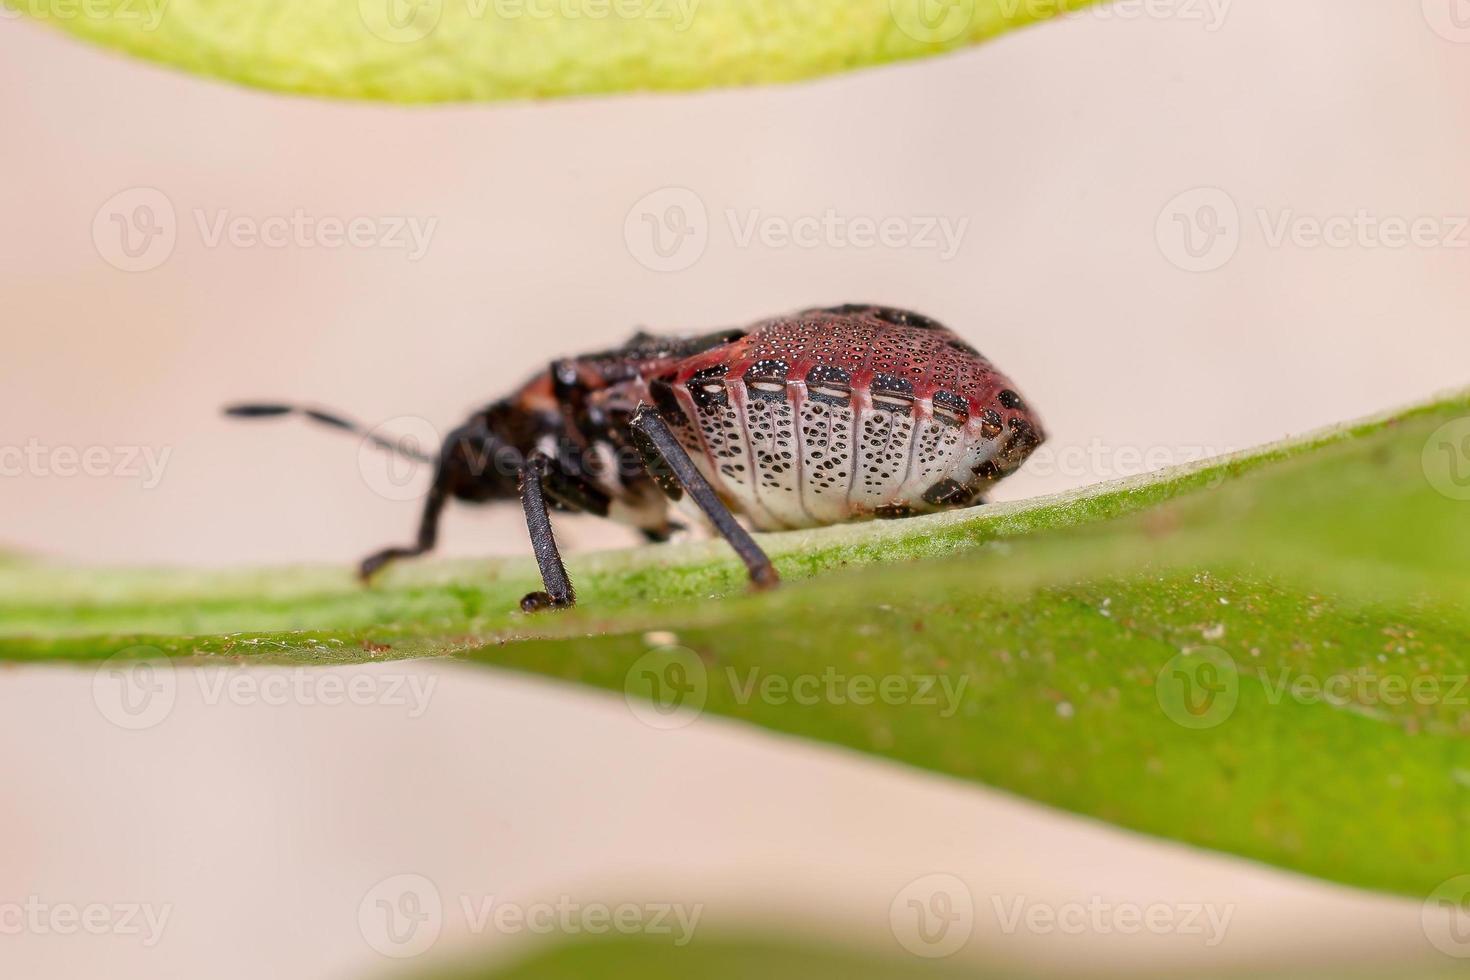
(428, 535)
(536, 474)
(452, 471)
(671, 467)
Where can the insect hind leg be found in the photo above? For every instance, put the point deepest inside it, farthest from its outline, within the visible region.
(671, 467)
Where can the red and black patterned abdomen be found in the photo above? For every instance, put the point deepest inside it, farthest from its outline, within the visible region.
(839, 415)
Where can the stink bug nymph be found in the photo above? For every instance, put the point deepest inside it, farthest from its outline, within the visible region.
(824, 417)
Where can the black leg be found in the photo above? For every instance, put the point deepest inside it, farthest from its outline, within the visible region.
(451, 472)
(666, 459)
(559, 593)
(428, 530)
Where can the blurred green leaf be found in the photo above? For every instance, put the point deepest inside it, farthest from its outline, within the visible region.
(644, 958)
(729, 958)
(456, 50)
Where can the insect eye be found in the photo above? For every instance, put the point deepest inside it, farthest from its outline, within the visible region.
(830, 385)
(1023, 438)
(950, 408)
(766, 380)
(891, 394)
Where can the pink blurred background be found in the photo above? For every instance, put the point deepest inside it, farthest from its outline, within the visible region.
(1075, 157)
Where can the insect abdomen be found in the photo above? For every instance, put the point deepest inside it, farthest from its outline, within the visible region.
(839, 416)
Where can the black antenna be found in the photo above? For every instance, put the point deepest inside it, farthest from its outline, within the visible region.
(263, 411)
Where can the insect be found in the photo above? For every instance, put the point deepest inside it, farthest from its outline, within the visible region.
(821, 417)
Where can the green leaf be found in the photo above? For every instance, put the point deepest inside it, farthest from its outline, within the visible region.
(453, 50)
(1226, 655)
